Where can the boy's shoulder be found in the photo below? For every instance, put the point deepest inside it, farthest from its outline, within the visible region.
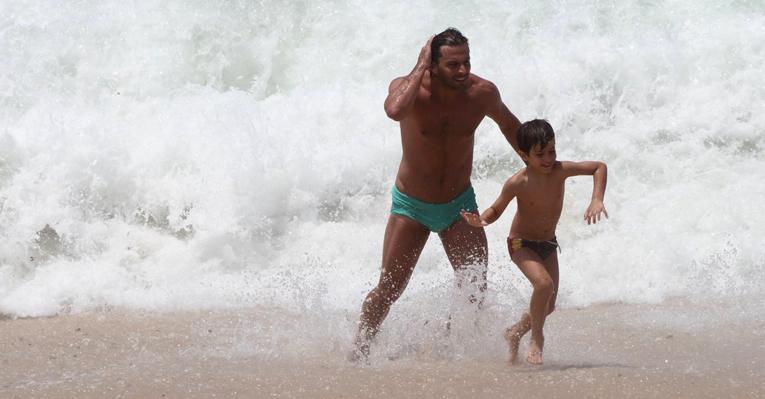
(561, 169)
(575, 168)
(519, 179)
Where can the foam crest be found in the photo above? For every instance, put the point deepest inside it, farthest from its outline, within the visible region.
(192, 155)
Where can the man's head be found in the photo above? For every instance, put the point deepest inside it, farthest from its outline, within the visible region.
(536, 140)
(450, 58)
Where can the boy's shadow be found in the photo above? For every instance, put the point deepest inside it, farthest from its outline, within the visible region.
(528, 368)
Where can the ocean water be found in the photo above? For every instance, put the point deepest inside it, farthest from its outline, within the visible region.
(195, 155)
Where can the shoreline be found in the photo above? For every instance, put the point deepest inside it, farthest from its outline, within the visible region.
(599, 351)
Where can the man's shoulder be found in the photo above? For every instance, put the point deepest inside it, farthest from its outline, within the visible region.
(484, 92)
(483, 86)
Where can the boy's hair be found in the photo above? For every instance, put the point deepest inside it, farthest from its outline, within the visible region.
(449, 37)
(531, 133)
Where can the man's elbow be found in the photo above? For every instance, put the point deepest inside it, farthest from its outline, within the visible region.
(395, 113)
(511, 135)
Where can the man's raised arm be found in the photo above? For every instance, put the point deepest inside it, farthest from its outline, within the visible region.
(507, 122)
(403, 90)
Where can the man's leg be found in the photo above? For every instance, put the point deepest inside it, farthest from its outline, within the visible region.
(467, 250)
(403, 243)
(544, 286)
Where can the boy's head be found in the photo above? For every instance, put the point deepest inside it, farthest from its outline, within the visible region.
(536, 141)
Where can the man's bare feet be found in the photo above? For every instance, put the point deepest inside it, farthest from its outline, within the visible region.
(359, 353)
(534, 353)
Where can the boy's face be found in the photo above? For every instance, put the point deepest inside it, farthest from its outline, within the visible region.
(541, 159)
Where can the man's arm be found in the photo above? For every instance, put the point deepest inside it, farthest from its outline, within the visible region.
(507, 122)
(403, 90)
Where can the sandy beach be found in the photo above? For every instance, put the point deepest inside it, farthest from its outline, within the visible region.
(603, 351)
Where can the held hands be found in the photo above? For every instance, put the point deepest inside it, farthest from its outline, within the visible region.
(592, 214)
(473, 219)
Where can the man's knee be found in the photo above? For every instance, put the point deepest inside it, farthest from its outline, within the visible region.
(478, 257)
(471, 280)
(387, 292)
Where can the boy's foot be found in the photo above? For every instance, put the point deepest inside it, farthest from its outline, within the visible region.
(513, 337)
(514, 334)
(534, 353)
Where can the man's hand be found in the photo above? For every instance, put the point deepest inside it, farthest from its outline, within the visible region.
(403, 90)
(592, 214)
(424, 59)
(473, 219)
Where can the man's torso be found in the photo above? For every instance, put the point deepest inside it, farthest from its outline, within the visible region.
(437, 140)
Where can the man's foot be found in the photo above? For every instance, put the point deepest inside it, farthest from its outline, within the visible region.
(513, 337)
(534, 353)
(359, 354)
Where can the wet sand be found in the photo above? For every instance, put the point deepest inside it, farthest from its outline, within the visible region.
(604, 351)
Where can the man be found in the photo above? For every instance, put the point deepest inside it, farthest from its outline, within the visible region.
(438, 105)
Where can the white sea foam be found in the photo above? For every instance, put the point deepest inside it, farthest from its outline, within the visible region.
(198, 154)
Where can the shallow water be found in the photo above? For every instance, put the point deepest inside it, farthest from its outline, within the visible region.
(207, 155)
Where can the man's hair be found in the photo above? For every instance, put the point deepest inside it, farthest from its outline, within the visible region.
(531, 133)
(449, 37)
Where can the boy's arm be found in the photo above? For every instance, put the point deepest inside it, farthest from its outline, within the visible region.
(599, 172)
(492, 213)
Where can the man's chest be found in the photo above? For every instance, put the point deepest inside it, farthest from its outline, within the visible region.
(452, 122)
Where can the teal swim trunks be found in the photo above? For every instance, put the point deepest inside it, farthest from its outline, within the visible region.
(436, 217)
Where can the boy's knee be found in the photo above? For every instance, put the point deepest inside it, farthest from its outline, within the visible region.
(544, 285)
(550, 309)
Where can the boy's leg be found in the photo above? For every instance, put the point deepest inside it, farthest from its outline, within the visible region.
(402, 245)
(544, 287)
(467, 250)
(514, 334)
(551, 265)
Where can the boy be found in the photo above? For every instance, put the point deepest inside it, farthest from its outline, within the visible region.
(539, 191)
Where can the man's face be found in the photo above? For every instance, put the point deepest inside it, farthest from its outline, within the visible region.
(453, 68)
(541, 159)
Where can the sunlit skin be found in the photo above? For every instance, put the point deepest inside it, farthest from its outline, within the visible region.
(438, 107)
(538, 190)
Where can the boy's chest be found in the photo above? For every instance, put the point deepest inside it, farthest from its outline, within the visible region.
(548, 196)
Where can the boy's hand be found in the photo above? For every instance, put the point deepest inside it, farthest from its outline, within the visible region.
(592, 214)
(473, 219)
